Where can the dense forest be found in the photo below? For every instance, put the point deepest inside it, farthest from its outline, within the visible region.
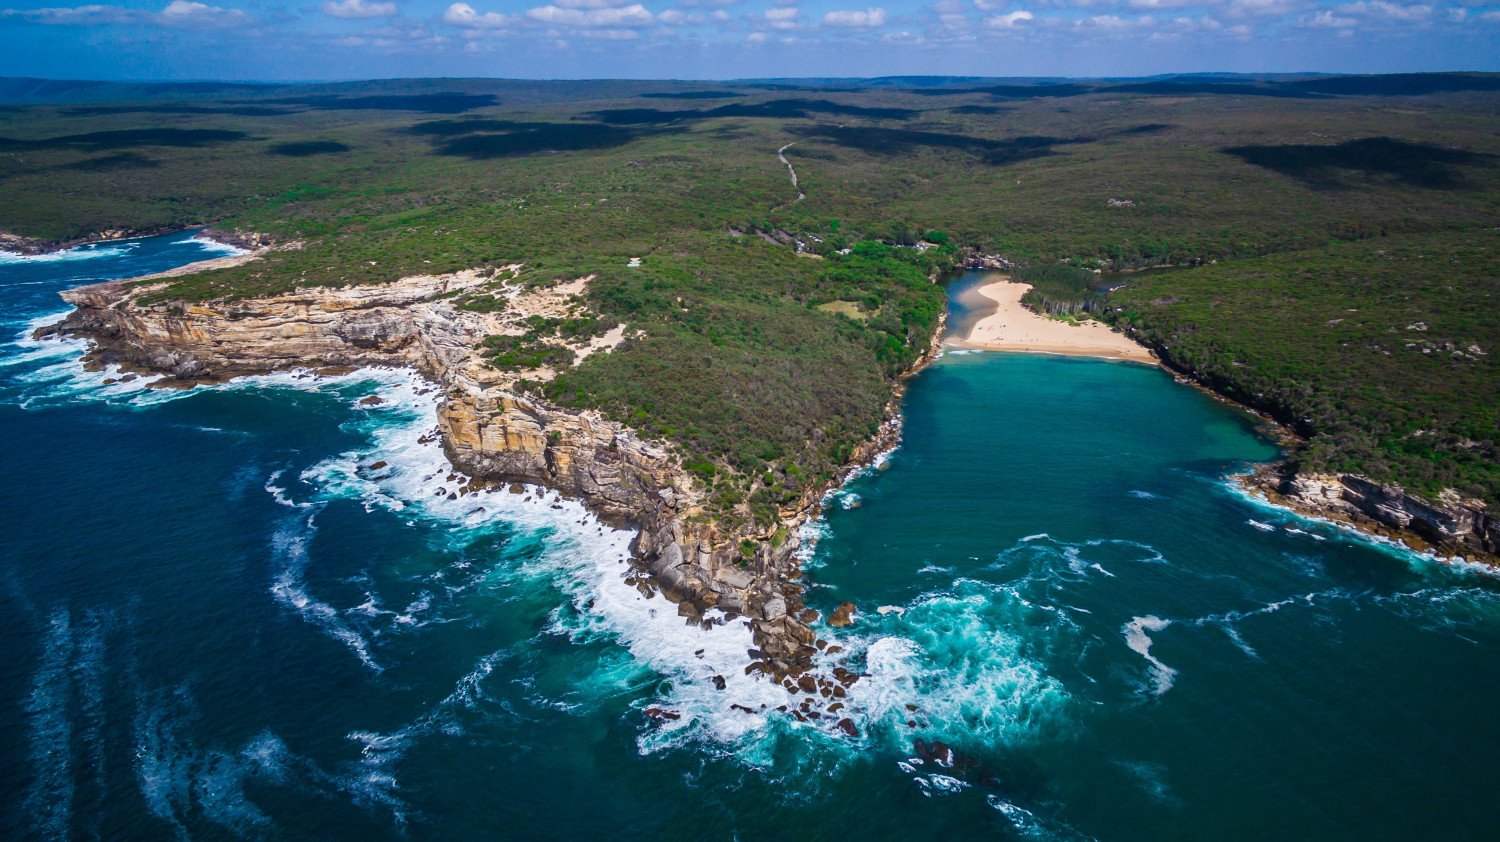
(1342, 233)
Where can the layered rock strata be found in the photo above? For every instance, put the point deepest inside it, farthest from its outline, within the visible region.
(1449, 527)
(490, 429)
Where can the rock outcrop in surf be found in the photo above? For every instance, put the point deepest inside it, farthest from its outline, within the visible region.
(490, 428)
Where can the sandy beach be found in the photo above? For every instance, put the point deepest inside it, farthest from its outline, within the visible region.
(1012, 327)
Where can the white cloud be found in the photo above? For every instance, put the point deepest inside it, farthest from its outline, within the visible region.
(1263, 8)
(1385, 10)
(674, 17)
(1326, 19)
(359, 9)
(462, 14)
(76, 15)
(853, 19)
(622, 16)
(178, 13)
(756, 37)
(783, 18)
(1010, 20)
(186, 13)
(1162, 4)
(1104, 22)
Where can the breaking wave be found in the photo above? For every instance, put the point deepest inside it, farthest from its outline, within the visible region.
(88, 251)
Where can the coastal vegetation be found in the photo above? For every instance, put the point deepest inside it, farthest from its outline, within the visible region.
(1380, 352)
(1059, 289)
(764, 332)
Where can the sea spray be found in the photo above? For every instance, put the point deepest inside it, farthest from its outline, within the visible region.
(1136, 637)
(90, 251)
(578, 555)
(1299, 523)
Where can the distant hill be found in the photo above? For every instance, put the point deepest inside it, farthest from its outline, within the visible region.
(21, 90)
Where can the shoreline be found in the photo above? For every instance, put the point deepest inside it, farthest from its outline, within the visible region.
(1421, 526)
(504, 437)
(21, 245)
(1250, 485)
(1448, 531)
(1010, 326)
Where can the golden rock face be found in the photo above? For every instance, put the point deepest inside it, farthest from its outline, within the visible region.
(488, 430)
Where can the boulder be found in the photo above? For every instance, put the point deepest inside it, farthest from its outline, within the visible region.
(842, 616)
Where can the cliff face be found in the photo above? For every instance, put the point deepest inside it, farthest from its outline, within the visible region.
(1449, 526)
(488, 430)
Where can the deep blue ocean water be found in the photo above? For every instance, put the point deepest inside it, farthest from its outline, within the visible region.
(221, 622)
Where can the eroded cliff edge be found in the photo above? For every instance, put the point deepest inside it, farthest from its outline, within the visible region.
(1449, 527)
(489, 428)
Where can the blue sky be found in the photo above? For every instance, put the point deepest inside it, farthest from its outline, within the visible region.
(704, 39)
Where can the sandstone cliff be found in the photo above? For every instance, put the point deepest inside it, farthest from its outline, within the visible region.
(489, 428)
(1449, 526)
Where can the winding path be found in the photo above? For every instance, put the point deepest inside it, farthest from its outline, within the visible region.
(781, 154)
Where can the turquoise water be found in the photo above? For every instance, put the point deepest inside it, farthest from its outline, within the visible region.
(222, 622)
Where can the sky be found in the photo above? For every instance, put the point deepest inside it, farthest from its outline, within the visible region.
(726, 39)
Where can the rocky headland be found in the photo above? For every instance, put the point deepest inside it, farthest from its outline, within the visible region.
(1450, 527)
(497, 432)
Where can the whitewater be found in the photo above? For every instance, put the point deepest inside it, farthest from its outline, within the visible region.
(273, 607)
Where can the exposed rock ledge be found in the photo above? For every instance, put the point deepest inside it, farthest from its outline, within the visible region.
(1449, 527)
(487, 429)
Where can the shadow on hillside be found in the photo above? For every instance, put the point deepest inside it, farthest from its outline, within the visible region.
(1326, 167)
(1181, 88)
(981, 109)
(216, 110)
(1399, 84)
(783, 108)
(128, 138)
(1010, 91)
(117, 161)
(453, 128)
(692, 95)
(538, 138)
(425, 103)
(308, 148)
(883, 141)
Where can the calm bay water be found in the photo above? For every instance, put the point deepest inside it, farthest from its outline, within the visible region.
(222, 622)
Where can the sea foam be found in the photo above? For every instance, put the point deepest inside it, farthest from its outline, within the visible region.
(89, 251)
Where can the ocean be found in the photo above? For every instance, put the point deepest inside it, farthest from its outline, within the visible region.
(225, 618)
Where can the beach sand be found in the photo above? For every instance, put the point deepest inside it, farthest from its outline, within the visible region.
(1012, 327)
